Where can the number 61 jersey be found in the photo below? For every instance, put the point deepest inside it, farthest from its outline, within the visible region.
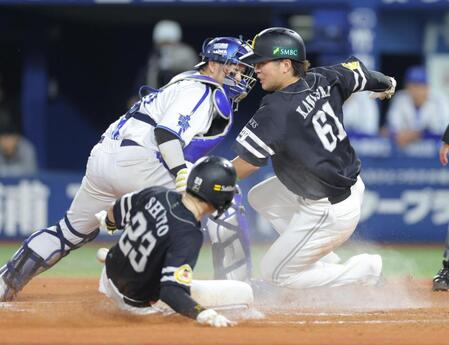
(301, 129)
(159, 245)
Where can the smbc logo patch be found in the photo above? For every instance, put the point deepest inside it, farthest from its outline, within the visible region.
(280, 51)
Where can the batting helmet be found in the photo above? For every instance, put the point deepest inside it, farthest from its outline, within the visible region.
(212, 179)
(276, 43)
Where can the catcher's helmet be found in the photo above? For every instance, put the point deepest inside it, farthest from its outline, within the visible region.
(228, 50)
(212, 179)
(220, 49)
(276, 43)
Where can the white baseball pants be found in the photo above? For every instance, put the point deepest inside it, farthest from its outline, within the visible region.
(302, 256)
(220, 294)
(112, 171)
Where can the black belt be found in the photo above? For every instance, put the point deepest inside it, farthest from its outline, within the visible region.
(128, 142)
(125, 142)
(135, 303)
(339, 198)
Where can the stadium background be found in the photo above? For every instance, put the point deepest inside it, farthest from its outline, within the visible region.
(68, 68)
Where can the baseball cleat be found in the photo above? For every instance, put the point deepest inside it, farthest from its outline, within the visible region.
(6, 293)
(3, 288)
(441, 280)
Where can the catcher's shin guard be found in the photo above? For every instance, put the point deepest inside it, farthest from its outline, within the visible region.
(19, 270)
(40, 251)
(230, 243)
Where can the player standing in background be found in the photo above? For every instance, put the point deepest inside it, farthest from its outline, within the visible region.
(314, 200)
(441, 280)
(159, 247)
(143, 148)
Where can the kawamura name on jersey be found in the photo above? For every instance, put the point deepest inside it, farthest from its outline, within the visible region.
(309, 103)
(301, 129)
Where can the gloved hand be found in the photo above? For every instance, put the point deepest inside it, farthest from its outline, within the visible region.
(387, 94)
(105, 225)
(181, 180)
(212, 318)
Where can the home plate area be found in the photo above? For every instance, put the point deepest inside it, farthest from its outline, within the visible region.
(72, 311)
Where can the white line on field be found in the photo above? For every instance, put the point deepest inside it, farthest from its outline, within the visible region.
(40, 302)
(353, 322)
(28, 306)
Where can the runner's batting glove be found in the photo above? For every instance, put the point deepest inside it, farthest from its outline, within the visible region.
(181, 180)
(212, 318)
(387, 94)
(105, 223)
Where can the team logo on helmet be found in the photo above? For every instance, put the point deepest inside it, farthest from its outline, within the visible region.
(223, 188)
(197, 184)
(280, 51)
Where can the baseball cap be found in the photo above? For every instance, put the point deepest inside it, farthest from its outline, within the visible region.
(416, 75)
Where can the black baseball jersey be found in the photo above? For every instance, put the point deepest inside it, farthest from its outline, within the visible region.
(301, 129)
(160, 244)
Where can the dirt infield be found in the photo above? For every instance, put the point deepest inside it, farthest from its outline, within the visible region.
(71, 311)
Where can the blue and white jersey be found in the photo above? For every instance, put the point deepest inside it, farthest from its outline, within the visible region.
(192, 106)
(431, 117)
(202, 145)
(184, 108)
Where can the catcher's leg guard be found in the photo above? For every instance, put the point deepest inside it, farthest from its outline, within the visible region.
(230, 243)
(40, 251)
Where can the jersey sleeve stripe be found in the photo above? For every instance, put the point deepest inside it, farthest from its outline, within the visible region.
(169, 269)
(206, 92)
(251, 149)
(127, 215)
(252, 143)
(168, 278)
(259, 142)
(356, 80)
(122, 210)
(360, 71)
(359, 78)
(125, 206)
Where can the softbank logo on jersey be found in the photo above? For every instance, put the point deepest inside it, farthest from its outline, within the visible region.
(308, 104)
(280, 51)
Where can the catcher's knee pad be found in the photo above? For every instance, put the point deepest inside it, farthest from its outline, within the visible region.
(230, 244)
(57, 241)
(40, 251)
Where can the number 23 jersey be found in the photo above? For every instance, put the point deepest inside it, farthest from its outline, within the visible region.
(301, 129)
(160, 244)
